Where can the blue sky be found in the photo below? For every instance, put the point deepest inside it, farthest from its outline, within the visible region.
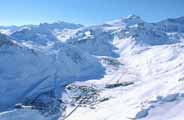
(86, 12)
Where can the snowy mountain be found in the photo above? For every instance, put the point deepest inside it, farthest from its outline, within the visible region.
(27, 71)
(100, 40)
(42, 34)
(126, 69)
(172, 25)
(60, 25)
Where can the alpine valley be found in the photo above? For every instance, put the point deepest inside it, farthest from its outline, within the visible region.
(126, 69)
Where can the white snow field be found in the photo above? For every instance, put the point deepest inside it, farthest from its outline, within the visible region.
(126, 69)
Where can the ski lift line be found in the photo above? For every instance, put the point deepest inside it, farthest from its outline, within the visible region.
(121, 75)
(80, 101)
(112, 78)
(115, 76)
(29, 90)
(71, 112)
(74, 109)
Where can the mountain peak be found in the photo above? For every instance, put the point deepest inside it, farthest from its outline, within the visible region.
(126, 21)
(60, 25)
(133, 16)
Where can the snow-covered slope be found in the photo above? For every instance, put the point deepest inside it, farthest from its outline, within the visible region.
(27, 70)
(156, 92)
(94, 40)
(126, 69)
(98, 40)
(38, 35)
(147, 57)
